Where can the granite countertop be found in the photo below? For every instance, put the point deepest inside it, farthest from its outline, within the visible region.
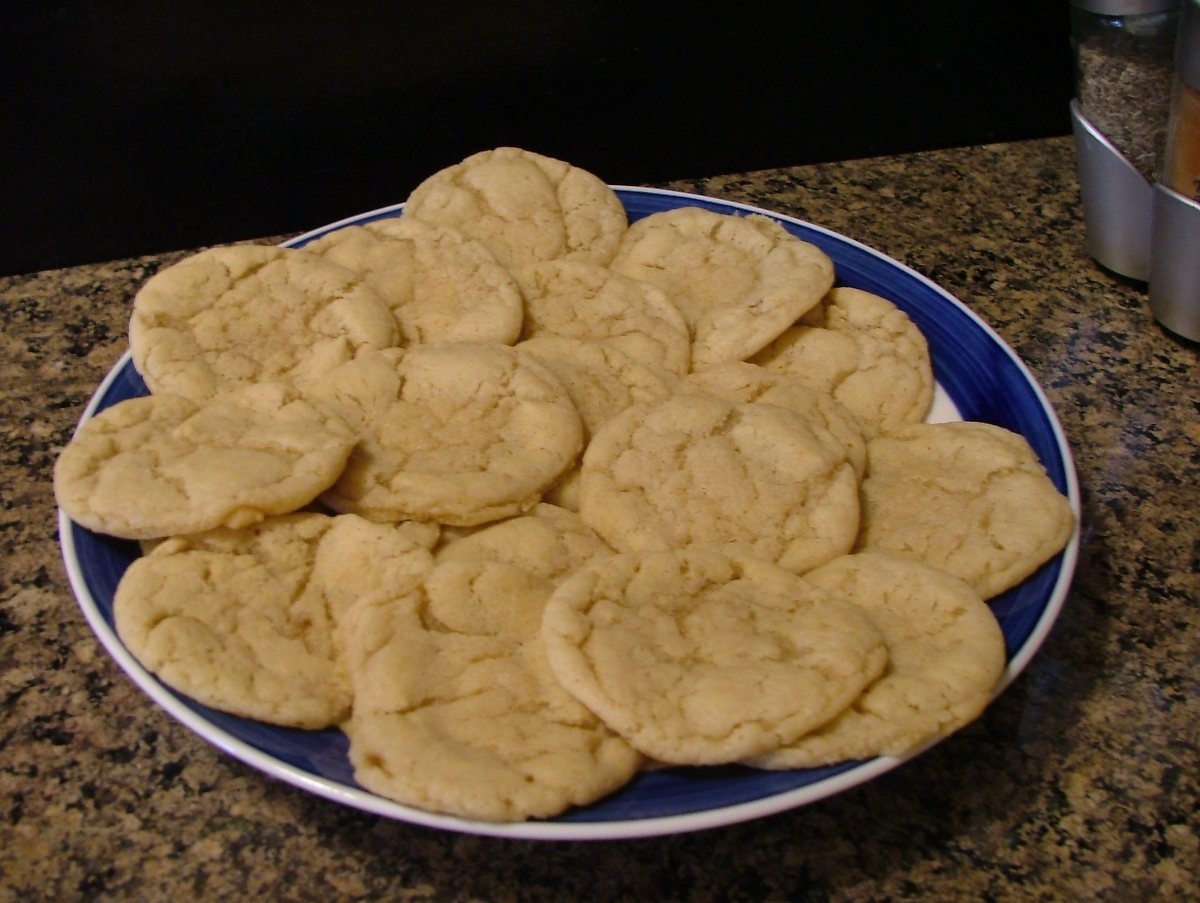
(1082, 781)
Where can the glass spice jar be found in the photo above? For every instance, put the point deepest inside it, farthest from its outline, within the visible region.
(1181, 164)
(1124, 59)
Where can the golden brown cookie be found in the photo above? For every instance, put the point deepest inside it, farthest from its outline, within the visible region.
(969, 498)
(745, 382)
(696, 470)
(440, 285)
(865, 352)
(244, 620)
(525, 207)
(229, 316)
(945, 661)
(161, 465)
(454, 432)
(456, 709)
(738, 281)
(702, 658)
(582, 300)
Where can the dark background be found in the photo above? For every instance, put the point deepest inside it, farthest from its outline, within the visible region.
(135, 127)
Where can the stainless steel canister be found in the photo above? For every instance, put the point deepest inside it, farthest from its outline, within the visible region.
(1124, 59)
(1175, 264)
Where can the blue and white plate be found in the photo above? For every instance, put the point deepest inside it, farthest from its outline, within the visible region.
(979, 378)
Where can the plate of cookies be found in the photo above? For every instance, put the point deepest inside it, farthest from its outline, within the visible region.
(538, 507)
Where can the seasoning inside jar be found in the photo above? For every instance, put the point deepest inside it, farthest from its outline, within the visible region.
(1124, 64)
(1181, 168)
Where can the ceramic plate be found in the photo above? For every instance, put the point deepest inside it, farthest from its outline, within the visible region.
(979, 378)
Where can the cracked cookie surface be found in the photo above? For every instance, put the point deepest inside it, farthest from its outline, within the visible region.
(244, 620)
(525, 207)
(161, 465)
(456, 709)
(703, 658)
(969, 498)
(458, 433)
(738, 281)
(945, 659)
(865, 352)
(234, 315)
(745, 382)
(440, 285)
(583, 300)
(696, 470)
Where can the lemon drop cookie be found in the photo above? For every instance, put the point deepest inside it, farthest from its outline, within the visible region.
(161, 465)
(702, 658)
(456, 709)
(738, 281)
(440, 285)
(865, 352)
(234, 315)
(745, 382)
(696, 470)
(244, 620)
(549, 542)
(525, 207)
(969, 498)
(458, 433)
(584, 300)
(945, 660)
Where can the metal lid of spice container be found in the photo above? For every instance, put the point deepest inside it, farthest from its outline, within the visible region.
(1125, 7)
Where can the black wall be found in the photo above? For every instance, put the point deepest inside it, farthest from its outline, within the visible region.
(133, 127)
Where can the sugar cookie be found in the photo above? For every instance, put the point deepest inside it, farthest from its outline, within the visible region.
(455, 432)
(696, 470)
(549, 542)
(702, 658)
(864, 351)
(584, 300)
(945, 659)
(161, 465)
(234, 315)
(969, 498)
(244, 620)
(456, 709)
(440, 285)
(525, 207)
(746, 382)
(738, 281)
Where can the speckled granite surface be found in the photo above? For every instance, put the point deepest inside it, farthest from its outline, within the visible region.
(1080, 782)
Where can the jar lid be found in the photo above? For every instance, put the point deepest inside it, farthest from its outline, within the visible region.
(1125, 7)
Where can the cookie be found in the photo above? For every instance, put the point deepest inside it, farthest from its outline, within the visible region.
(244, 620)
(456, 709)
(583, 300)
(865, 352)
(746, 382)
(458, 433)
(969, 498)
(696, 470)
(601, 380)
(161, 465)
(524, 207)
(440, 285)
(230, 316)
(549, 542)
(945, 660)
(702, 658)
(738, 281)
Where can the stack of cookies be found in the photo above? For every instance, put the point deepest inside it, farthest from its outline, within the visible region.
(526, 499)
